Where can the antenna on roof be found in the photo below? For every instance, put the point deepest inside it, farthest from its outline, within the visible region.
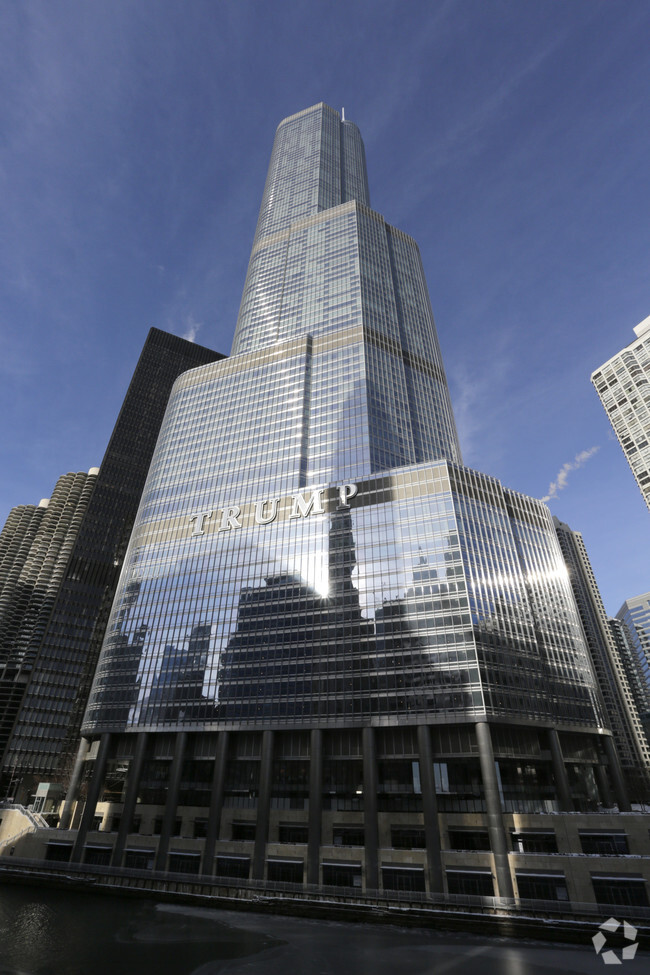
(343, 115)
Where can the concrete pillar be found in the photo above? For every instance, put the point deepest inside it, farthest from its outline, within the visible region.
(73, 785)
(171, 804)
(263, 806)
(130, 798)
(617, 776)
(496, 829)
(604, 790)
(315, 806)
(216, 803)
(371, 827)
(559, 772)
(93, 795)
(430, 810)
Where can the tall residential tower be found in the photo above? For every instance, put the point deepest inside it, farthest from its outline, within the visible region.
(623, 385)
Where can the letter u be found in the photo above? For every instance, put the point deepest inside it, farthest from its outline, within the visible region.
(260, 517)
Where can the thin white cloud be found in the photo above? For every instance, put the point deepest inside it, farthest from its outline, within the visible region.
(191, 328)
(562, 477)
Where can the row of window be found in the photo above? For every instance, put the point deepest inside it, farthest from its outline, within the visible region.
(592, 842)
(628, 890)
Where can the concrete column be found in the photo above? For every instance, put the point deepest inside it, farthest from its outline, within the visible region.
(430, 810)
(263, 806)
(559, 772)
(603, 786)
(371, 827)
(618, 782)
(496, 829)
(93, 795)
(315, 805)
(216, 803)
(130, 798)
(73, 785)
(171, 804)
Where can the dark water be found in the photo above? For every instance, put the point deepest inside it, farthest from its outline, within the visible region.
(50, 932)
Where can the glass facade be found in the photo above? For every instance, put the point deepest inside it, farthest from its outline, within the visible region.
(66, 645)
(307, 547)
(336, 656)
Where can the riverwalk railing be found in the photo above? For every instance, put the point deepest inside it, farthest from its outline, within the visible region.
(267, 893)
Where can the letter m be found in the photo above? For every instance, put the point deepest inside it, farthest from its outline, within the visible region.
(302, 508)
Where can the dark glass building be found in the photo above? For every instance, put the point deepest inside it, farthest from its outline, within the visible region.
(336, 655)
(43, 735)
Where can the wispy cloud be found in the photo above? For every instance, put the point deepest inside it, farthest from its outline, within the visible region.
(191, 328)
(562, 476)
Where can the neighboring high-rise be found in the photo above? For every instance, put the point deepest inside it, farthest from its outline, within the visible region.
(623, 385)
(609, 661)
(335, 655)
(35, 548)
(634, 614)
(66, 645)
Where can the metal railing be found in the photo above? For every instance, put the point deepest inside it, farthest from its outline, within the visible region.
(151, 882)
(37, 821)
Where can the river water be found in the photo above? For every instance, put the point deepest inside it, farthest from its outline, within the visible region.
(51, 932)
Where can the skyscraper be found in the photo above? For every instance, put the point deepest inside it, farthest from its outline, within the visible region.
(623, 385)
(609, 659)
(35, 547)
(634, 615)
(338, 633)
(43, 735)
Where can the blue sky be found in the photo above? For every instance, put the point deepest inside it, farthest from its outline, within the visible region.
(509, 137)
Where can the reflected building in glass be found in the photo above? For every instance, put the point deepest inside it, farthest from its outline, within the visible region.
(336, 656)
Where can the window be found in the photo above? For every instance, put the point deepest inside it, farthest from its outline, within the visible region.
(285, 871)
(58, 851)
(402, 878)
(342, 874)
(184, 862)
(469, 839)
(139, 859)
(238, 867)
(628, 891)
(604, 844)
(200, 828)
(293, 833)
(99, 855)
(407, 838)
(475, 882)
(348, 835)
(542, 886)
(243, 830)
(531, 841)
